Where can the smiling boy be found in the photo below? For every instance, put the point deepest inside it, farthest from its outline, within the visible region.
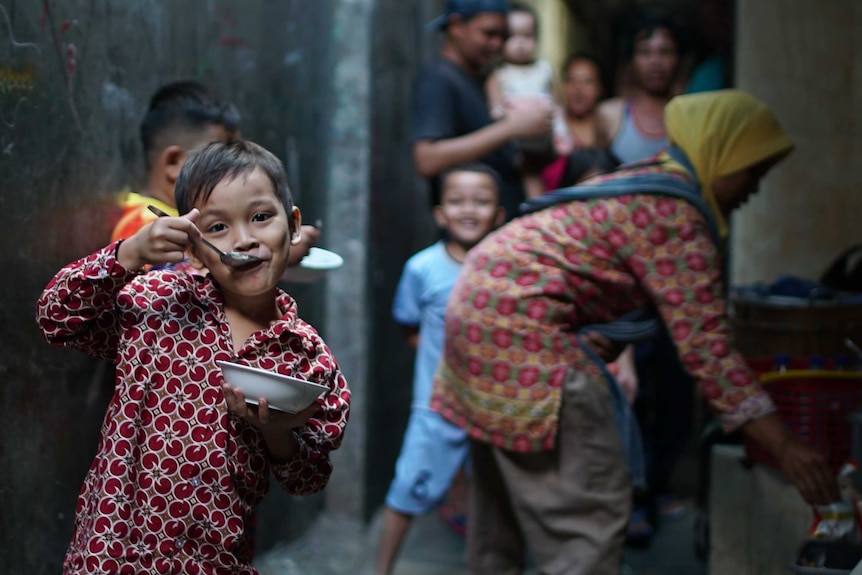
(183, 460)
(434, 449)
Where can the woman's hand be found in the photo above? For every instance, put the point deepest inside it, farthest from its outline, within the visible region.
(809, 471)
(806, 468)
(627, 375)
(606, 349)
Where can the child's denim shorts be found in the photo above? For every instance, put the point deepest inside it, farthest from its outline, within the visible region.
(432, 453)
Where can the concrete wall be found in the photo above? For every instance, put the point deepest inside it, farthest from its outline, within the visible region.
(400, 224)
(556, 30)
(348, 190)
(757, 519)
(804, 58)
(75, 77)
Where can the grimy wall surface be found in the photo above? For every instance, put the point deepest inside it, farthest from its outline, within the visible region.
(804, 58)
(400, 224)
(75, 77)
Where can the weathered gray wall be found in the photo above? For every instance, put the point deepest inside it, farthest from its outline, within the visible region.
(400, 224)
(68, 141)
(348, 191)
(803, 58)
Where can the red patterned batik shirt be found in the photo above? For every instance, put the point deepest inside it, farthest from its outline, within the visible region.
(528, 287)
(176, 476)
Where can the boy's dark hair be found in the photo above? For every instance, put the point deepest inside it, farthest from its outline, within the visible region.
(643, 25)
(474, 167)
(209, 165)
(184, 106)
(526, 9)
(583, 161)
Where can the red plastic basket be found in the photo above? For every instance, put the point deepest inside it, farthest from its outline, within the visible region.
(814, 404)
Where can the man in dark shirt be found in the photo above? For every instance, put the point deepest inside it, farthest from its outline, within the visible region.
(451, 121)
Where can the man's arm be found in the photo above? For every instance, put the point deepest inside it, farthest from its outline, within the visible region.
(524, 119)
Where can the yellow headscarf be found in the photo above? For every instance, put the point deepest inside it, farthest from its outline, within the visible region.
(723, 132)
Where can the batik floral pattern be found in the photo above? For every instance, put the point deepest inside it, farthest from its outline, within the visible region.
(527, 289)
(176, 476)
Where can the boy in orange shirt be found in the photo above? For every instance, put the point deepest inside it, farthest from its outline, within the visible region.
(181, 116)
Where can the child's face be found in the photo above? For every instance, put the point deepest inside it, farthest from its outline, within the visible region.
(245, 215)
(174, 156)
(469, 207)
(520, 48)
(582, 88)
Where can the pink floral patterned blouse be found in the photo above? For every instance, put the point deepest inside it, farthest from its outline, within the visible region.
(528, 287)
(176, 476)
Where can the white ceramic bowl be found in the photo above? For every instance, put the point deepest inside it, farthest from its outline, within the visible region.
(314, 266)
(283, 392)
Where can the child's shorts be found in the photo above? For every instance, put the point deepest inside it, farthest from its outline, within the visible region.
(432, 453)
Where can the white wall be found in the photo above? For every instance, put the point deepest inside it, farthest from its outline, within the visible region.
(803, 58)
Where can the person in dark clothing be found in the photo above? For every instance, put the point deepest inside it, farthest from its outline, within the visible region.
(451, 121)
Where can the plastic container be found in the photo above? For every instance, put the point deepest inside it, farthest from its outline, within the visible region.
(827, 557)
(842, 362)
(766, 325)
(782, 362)
(816, 362)
(815, 404)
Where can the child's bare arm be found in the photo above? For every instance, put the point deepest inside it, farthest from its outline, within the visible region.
(310, 235)
(496, 99)
(411, 335)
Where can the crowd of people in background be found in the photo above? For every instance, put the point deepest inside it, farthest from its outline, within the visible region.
(489, 97)
(550, 473)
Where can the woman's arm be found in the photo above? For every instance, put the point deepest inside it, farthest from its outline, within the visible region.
(609, 118)
(676, 261)
(806, 468)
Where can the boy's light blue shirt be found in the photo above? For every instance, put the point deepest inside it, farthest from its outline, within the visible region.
(420, 301)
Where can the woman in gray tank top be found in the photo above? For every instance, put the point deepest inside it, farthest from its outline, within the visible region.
(634, 125)
(635, 129)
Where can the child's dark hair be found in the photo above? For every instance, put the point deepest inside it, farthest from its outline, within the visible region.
(184, 105)
(585, 160)
(526, 9)
(582, 57)
(209, 165)
(643, 25)
(475, 167)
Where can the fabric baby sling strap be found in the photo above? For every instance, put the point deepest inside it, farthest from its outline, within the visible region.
(640, 324)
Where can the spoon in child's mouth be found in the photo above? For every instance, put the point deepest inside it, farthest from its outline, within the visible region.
(231, 259)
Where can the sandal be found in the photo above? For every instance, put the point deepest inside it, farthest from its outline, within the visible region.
(670, 507)
(640, 531)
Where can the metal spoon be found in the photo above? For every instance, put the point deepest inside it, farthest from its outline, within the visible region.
(854, 348)
(232, 259)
